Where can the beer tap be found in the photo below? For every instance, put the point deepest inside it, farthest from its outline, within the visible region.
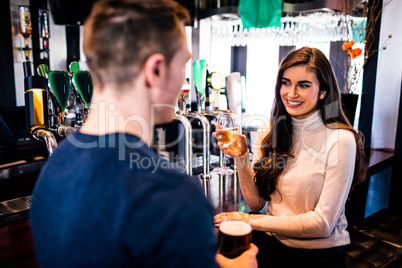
(188, 149)
(36, 108)
(82, 92)
(207, 103)
(59, 88)
(214, 83)
(183, 98)
(206, 130)
(200, 78)
(203, 80)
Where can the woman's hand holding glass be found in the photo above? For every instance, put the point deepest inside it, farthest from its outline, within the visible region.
(237, 148)
(226, 134)
(234, 216)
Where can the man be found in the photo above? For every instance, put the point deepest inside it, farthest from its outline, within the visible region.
(105, 199)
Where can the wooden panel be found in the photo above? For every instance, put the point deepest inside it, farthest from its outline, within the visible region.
(16, 246)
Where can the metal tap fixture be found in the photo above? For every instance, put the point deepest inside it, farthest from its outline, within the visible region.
(206, 132)
(48, 138)
(188, 149)
(206, 127)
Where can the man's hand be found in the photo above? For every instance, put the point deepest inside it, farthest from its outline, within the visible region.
(246, 260)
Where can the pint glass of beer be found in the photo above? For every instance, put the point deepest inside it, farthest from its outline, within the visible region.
(234, 238)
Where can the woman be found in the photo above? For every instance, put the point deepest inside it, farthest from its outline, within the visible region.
(307, 159)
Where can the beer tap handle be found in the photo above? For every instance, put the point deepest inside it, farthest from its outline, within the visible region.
(61, 87)
(43, 70)
(82, 82)
(200, 75)
(207, 87)
(74, 67)
(214, 85)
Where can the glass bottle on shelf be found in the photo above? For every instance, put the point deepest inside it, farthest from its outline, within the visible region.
(25, 27)
(44, 24)
(44, 33)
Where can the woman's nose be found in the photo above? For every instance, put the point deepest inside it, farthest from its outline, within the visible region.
(292, 92)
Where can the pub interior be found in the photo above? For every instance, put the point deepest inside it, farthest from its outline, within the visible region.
(233, 67)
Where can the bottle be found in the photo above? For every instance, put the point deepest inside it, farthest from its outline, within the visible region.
(25, 26)
(44, 27)
(44, 33)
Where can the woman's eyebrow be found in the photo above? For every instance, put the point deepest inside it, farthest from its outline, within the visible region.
(300, 82)
(305, 81)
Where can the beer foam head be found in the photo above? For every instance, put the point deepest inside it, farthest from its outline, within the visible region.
(235, 228)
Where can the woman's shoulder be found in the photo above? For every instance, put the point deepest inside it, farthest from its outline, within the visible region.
(347, 133)
(346, 136)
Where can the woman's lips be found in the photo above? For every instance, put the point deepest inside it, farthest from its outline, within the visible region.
(294, 104)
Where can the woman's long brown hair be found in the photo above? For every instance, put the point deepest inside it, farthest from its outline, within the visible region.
(276, 150)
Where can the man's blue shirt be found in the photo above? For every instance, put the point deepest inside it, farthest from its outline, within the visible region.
(111, 201)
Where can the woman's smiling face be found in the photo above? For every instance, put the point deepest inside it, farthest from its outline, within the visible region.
(300, 91)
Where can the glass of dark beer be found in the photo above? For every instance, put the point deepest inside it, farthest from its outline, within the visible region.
(234, 238)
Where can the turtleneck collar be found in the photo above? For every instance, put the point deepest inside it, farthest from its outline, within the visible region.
(299, 123)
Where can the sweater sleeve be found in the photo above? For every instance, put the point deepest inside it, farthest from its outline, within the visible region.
(246, 173)
(320, 221)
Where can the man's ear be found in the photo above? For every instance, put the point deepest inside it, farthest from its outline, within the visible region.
(323, 94)
(154, 70)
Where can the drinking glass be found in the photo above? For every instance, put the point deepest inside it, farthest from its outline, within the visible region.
(234, 237)
(226, 135)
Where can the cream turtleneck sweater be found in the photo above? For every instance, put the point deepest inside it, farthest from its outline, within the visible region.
(309, 210)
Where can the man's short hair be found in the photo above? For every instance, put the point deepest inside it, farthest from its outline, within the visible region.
(120, 35)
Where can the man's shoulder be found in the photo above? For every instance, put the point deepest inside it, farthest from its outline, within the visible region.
(137, 169)
(170, 180)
